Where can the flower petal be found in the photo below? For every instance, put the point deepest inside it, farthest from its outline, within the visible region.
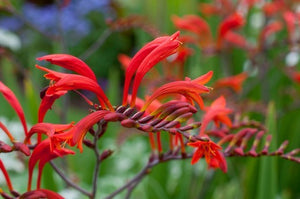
(13, 101)
(77, 133)
(233, 21)
(71, 63)
(6, 176)
(74, 82)
(43, 154)
(138, 59)
(41, 193)
(168, 47)
(188, 88)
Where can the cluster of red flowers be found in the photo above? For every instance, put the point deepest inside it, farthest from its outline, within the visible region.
(169, 108)
(58, 135)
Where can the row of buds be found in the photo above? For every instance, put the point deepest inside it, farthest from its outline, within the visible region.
(165, 117)
(237, 144)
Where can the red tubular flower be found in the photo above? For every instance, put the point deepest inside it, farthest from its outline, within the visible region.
(71, 63)
(235, 82)
(46, 104)
(167, 48)
(197, 25)
(51, 74)
(41, 193)
(296, 76)
(13, 101)
(124, 60)
(270, 29)
(231, 22)
(6, 176)
(145, 59)
(188, 88)
(208, 9)
(43, 154)
(192, 23)
(216, 112)
(48, 100)
(274, 7)
(78, 131)
(236, 39)
(211, 152)
(74, 82)
(290, 21)
(50, 130)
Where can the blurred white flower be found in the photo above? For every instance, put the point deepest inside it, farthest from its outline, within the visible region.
(292, 58)
(10, 40)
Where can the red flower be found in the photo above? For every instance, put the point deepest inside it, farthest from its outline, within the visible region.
(74, 82)
(124, 60)
(145, 59)
(296, 76)
(13, 101)
(235, 82)
(197, 25)
(46, 104)
(188, 88)
(211, 151)
(216, 112)
(71, 63)
(61, 83)
(236, 39)
(290, 19)
(231, 22)
(76, 134)
(41, 155)
(40, 193)
(268, 30)
(50, 130)
(6, 176)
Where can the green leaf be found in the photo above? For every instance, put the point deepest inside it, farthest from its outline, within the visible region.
(267, 171)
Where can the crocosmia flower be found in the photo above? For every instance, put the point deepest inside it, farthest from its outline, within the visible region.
(211, 152)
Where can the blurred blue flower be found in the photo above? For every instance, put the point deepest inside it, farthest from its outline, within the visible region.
(10, 23)
(72, 18)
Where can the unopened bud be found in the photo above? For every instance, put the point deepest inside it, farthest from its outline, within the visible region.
(22, 147)
(137, 115)
(146, 128)
(5, 147)
(146, 119)
(129, 123)
(128, 111)
(88, 143)
(106, 154)
(112, 117)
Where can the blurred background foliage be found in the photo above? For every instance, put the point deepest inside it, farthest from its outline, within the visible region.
(98, 31)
